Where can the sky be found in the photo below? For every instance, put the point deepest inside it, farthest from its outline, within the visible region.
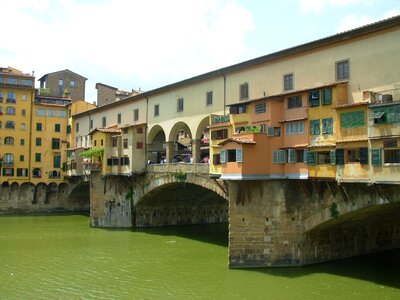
(146, 44)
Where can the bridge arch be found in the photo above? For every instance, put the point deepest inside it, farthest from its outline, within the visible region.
(169, 201)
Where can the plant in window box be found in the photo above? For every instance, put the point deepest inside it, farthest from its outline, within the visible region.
(180, 176)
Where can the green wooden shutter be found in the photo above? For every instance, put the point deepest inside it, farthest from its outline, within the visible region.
(376, 156)
(311, 158)
(340, 156)
(239, 155)
(305, 153)
(270, 131)
(364, 155)
(291, 156)
(332, 157)
(281, 156)
(222, 156)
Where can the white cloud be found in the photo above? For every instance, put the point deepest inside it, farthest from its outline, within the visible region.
(353, 21)
(124, 43)
(317, 6)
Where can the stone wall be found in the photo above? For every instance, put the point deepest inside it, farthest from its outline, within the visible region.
(291, 223)
(28, 198)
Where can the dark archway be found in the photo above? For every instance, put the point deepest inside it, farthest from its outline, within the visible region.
(181, 204)
(80, 196)
(156, 151)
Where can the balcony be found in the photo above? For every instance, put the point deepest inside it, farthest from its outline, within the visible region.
(8, 164)
(90, 166)
(295, 113)
(217, 119)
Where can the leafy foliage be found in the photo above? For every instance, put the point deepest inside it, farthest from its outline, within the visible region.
(95, 152)
(334, 210)
(251, 129)
(180, 176)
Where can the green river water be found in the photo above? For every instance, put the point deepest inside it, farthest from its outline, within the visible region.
(61, 257)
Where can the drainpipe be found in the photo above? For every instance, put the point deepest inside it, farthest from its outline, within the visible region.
(145, 132)
(30, 137)
(223, 75)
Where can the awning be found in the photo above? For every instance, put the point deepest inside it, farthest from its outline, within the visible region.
(377, 115)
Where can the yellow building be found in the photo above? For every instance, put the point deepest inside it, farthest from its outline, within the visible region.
(16, 97)
(321, 157)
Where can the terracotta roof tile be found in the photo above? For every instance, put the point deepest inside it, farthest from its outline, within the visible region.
(239, 140)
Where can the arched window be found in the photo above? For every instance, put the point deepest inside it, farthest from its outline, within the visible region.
(8, 159)
(8, 140)
(37, 173)
(10, 124)
(10, 110)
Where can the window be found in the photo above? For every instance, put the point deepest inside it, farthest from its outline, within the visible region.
(139, 145)
(1, 97)
(22, 172)
(21, 142)
(115, 142)
(40, 112)
(216, 159)
(51, 113)
(294, 127)
(101, 142)
(295, 156)
(386, 115)
(179, 104)
(353, 155)
(313, 98)
(115, 161)
(103, 122)
(119, 118)
(139, 130)
(77, 127)
(124, 160)
(23, 126)
(9, 125)
(8, 160)
(72, 84)
(36, 173)
(324, 158)
(10, 110)
(38, 157)
(23, 97)
(11, 80)
(288, 82)
(38, 142)
(68, 128)
(23, 112)
(91, 124)
(125, 143)
(26, 82)
(277, 131)
(278, 157)
(244, 91)
(95, 142)
(61, 113)
(8, 140)
(55, 143)
(156, 110)
(219, 134)
(352, 119)
(260, 108)
(237, 109)
(38, 126)
(209, 98)
(327, 126)
(11, 97)
(57, 161)
(294, 102)
(391, 156)
(342, 70)
(57, 127)
(60, 82)
(315, 127)
(8, 171)
(376, 156)
(327, 96)
(136, 114)
(125, 130)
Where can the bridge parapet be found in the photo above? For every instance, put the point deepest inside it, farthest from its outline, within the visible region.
(179, 167)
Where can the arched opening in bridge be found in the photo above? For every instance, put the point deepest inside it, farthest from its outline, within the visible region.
(80, 196)
(181, 204)
(156, 148)
(181, 139)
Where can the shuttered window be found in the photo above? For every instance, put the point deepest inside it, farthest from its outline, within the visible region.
(311, 158)
(327, 96)
(278, 157)
(313, 98)
(239, 155)
(305, 155)
(364, 155)
(260, 108)
(376, 156)
(340, 156)
(352, 119)
(222, 156)
(332, 157)
(315, 127)
(327, 126)
(291, 156)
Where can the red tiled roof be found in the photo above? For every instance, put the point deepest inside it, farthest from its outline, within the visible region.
(350, 105)
(352, 140)
(239, 140)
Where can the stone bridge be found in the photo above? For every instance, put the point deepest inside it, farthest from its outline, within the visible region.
(271, 223)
